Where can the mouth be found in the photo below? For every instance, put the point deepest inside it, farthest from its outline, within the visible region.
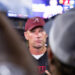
(39, 41)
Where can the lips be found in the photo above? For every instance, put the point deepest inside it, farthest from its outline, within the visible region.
(39, 41)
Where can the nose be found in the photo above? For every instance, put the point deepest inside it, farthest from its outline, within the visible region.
(38, 34)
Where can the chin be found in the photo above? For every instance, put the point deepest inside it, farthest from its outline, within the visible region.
(38, 46)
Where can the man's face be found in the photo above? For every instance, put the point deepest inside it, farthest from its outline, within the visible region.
(36, 37)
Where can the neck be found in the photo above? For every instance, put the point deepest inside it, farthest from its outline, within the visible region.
(37, 51)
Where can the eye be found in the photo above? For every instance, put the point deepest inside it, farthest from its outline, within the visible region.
(33, 31)
(41, 30)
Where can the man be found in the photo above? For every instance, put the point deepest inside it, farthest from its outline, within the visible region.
(36, 37)
(62, 43)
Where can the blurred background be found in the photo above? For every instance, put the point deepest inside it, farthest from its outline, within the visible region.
(18, 11)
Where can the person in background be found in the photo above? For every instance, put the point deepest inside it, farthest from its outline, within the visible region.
(62, 44)
(36, 36)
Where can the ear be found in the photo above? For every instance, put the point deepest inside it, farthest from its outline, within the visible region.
(26, 35)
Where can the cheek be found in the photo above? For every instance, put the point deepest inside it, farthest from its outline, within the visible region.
(44, 36)
(31, 37)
